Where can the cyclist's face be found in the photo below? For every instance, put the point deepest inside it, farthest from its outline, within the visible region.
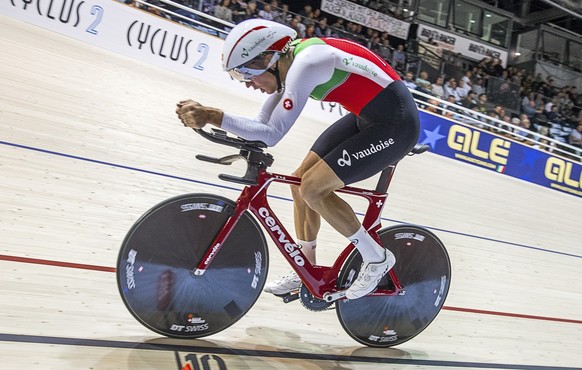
(266, 82)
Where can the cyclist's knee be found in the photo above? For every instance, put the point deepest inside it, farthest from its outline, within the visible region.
(313, 189)
(310, 194)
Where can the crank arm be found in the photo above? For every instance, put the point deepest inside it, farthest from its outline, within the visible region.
(332, 297)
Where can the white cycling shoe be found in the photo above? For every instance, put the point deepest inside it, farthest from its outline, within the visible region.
(285, 285)
(370, 275)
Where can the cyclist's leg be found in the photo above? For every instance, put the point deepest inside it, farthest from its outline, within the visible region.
(317, 189)
(307, 224)
(307, 221)
(389, 131)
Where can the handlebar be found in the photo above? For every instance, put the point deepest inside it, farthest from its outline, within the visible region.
(251, 151)
(221, 137)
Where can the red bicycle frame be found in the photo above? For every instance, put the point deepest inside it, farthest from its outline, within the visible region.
(318, 279)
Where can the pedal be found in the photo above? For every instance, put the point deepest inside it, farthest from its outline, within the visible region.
(289, 297)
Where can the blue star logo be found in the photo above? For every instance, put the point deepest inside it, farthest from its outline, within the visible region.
(432, 136)
(529, 161)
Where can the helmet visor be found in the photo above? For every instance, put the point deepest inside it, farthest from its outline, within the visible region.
(254, 67)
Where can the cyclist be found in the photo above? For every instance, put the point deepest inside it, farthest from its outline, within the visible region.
(381, 128)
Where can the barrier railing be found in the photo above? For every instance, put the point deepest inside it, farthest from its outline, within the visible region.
(467, 116)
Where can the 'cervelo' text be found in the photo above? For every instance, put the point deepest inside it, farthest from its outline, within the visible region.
(291, 249)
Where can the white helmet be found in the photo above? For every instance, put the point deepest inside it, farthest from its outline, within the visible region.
(253, 38)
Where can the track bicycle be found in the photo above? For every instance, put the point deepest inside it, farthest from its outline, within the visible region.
(194, 264)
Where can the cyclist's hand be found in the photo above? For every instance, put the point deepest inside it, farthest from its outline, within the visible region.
(195, 115)
(191, 113)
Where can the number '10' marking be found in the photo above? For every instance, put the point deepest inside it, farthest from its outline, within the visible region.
(204, 363)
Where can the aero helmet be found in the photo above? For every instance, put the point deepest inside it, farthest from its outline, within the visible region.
(253, 38)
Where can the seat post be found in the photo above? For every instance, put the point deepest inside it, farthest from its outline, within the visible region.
(385, 178)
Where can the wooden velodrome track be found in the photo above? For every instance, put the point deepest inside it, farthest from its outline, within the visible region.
(89, 141)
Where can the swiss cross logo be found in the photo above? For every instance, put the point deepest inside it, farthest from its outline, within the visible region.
(288, 104)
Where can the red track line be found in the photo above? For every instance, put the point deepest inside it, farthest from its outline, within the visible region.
(508, 314)
(56, 263)
(4, 257)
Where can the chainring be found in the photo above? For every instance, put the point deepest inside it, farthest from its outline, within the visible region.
(311, 303)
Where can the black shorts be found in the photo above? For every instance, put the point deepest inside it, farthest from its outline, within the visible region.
(387, 129)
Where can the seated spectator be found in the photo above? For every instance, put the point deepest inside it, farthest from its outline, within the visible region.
(399, 58)
(551, 103)
(322, 29)
(526, 129)
(527, 99)
(539, 117)
(449, 109)
(276, 12)
(309, 31)
(251, 12)
(500, 110)
(467, 79)
(374, 44)
(482, 103)
(505, 129)
(517, 77)
(409, 81)
(451, 90)
(223, 11)
(310, 20)
(338, 28)
(530, 110)
(267, 13)
(307, 9)
(462, 90)
(478, 87)
(239, 10)
(422, 83)
(384, 50)
(298, 26)
(493, 121)
(284, 15)
(470, 100)
(516, 121)
(437, 88)
(553, 115)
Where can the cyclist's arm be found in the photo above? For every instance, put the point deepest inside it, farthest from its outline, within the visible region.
(268, 107)
(309, 69)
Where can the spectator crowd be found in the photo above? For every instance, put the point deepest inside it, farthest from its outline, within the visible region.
(545, 110)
